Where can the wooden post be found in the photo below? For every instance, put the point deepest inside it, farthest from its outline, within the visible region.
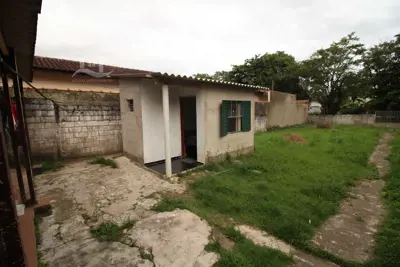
(13, 134)
(24, 135)
(10, 241)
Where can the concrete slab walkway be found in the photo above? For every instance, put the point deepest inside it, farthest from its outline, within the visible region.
(350, 233)
(86, 195)
(301, 259)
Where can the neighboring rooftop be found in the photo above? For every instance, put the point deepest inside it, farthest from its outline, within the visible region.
(57, 64)
(66, 65)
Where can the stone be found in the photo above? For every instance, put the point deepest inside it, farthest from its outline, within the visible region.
(206, 260)
(177, 238)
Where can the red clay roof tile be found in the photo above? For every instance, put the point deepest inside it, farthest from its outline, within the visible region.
(57, 64)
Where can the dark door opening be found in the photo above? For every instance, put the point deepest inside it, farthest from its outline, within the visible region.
(188, 128)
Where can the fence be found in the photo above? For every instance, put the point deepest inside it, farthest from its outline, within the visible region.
(387, 116)
(80, 124)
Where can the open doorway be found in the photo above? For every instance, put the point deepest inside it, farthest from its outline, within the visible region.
(188, 129)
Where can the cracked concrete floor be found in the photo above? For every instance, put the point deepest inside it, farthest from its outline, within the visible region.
(86, 195)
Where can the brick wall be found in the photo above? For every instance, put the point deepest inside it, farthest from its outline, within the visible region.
(79, 124)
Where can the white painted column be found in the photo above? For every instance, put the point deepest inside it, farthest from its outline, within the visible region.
(168, 162)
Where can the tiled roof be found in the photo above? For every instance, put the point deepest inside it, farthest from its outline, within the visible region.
(57, 64)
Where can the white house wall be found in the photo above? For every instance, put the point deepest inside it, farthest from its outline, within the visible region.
(153, 123)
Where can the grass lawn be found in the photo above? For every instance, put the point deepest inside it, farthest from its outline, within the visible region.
(286, 188)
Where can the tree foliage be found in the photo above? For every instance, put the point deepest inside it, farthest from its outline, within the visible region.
(382, 69)
(337, 76)
(278, 71)
(332, 74)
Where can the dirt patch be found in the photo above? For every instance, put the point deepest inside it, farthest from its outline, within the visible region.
(295, 138)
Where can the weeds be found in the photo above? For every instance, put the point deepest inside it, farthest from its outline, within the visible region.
(233, 234)
(105, 162)
(146, 255)
(245, 253)
(111, 232)
(38, 237)
(51, 165)
(213, 247)
(170, 204)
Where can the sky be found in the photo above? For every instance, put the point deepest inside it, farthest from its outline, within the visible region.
(204, 36)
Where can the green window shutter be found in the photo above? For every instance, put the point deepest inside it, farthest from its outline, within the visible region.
(246, 116)
(224, 117)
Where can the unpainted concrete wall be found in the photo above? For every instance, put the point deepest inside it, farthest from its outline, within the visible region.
(233, 143)
(79, 124)
(348, 119)
(282, 110)
(132, 123)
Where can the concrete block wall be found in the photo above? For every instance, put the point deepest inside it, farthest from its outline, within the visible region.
(349, 119)
(283, 110)
(85, 125)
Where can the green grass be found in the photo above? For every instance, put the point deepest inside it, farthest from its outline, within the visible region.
(105, 162)
(146, 255)
(287, 189)
(111, 232)
(51, 165)
(38, 238)
(387, 249)
(246, 254)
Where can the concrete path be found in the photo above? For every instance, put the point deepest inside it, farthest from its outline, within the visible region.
(350, 233)
(86, 195)
(301, 259)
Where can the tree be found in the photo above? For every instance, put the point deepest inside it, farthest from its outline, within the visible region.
(203, 76)
(331, 74)
(278, 71)
(382, 66)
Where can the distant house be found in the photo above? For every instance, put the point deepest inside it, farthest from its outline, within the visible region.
(169, 122)
(315, 108)
(57, 74)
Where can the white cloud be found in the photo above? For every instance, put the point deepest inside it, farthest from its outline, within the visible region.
(191, 36)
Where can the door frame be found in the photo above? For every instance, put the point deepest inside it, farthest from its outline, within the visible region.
(181, 99)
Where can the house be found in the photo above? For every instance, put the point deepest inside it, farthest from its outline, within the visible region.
(187, 121)
(315, 108)
(173, 121)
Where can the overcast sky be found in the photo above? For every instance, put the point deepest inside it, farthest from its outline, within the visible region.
(203, 36)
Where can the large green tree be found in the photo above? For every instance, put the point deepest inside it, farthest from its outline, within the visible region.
(382, 67)
(332, 75)
(278, 71)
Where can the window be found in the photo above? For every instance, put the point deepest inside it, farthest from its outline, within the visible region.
(235, 116)
(130, 104)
